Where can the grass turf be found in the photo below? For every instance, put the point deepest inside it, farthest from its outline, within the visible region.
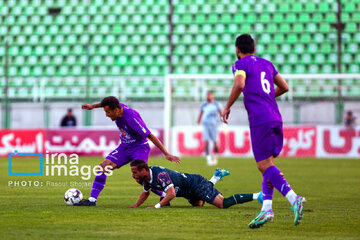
(331, 187)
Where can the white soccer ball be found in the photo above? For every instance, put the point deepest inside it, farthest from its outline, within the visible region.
(73, 196)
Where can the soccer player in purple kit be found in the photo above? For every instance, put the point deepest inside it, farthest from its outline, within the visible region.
(133, 134)
(255, 77)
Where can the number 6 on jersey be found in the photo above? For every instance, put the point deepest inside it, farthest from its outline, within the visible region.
(265, 83)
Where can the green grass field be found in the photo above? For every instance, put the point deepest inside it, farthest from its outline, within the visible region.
(331, 187)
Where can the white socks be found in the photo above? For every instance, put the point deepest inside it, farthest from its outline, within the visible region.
(208, 160)
(214, 160)
(291, 196)
(267, 205)
(211, 160)
(214, 179)
(256, 195)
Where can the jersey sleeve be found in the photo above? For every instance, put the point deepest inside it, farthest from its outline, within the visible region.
(164, 180)
(146, 186)
(239, 68)
(274, 70)
(138, 125)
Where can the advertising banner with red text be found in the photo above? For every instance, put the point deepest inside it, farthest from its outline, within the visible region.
(336, 142)
(27, 140)
(299, 141)
(89, 142)
(79, 141)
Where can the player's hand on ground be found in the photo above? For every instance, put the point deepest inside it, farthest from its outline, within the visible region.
(132, 206)
(225, 115)
(87, 106)
(172, 158)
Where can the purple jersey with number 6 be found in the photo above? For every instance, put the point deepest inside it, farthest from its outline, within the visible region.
(132, 128)
(259, 92)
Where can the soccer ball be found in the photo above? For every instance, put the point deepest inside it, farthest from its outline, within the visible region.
(73, 196)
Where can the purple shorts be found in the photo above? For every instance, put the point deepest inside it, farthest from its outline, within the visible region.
(266, 140)
(122, 155)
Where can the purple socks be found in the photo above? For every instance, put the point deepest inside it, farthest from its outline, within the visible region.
(267, 188)
(98, 185)
(273, 177)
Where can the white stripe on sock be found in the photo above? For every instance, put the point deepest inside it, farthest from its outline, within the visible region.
(235, 199)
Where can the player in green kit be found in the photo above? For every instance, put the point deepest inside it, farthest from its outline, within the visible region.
(195, 188)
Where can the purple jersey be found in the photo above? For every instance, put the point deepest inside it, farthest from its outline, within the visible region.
(259, 92)
(132, 128)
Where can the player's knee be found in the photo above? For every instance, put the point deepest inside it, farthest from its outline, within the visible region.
(219, 205)
(219, 201)
(107, 165)
(197, 204)
(103, 165)
(264, 164)
(261, 168)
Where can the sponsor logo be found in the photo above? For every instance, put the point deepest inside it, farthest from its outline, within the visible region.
(56, 164)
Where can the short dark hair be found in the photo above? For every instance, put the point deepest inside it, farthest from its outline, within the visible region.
(245, 43)
(140, 164)
(112, 102)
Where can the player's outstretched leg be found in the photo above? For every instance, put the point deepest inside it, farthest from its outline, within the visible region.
(222, 202)
(259, 197)
(98, 184)
(97, 187)
(241, 198)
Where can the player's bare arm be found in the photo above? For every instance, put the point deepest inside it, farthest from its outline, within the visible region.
(142, 198)
(199, 118)
(170, 194)
(239, 84)
(160, 146)
(91, 106)
(281, 85)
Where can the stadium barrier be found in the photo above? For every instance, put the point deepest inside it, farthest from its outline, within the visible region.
(92, 142)
(299, 141)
